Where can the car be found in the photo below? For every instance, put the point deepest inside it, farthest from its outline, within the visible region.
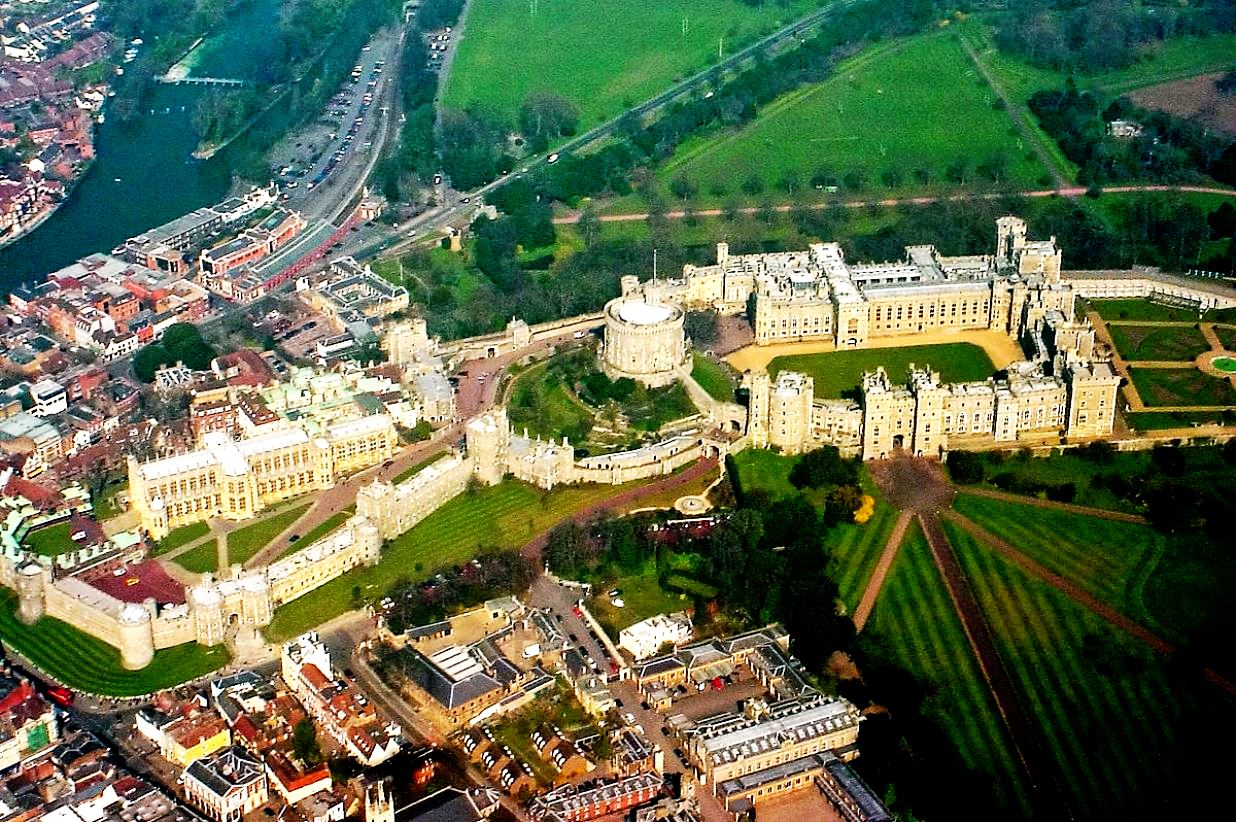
(573, 638)
(347, 673)
(294, 538)
(629, 718)
(615, 592)
(437, 179)
(61, 696)
(553, 158)
(576, 610)
(466, 200)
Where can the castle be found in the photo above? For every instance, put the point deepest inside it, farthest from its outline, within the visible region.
(235, 479)
(1061, 389)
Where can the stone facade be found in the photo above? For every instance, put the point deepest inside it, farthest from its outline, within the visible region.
(644, 341)
(235, 479)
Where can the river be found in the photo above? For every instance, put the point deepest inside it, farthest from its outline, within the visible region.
(143, 176)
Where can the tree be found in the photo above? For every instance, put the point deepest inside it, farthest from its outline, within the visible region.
(305, 745)
(965, 467)
(544, 117)
(823, 466)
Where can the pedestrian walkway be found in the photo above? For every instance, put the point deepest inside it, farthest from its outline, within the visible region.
(867, 604)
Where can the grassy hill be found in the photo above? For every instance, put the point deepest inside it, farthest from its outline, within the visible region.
(903, 114)
(603, 55)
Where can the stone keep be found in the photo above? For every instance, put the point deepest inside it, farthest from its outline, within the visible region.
(644, 341)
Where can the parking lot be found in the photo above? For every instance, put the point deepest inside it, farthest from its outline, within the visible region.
(346, 129)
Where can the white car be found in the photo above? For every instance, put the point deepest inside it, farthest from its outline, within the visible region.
(551, 159)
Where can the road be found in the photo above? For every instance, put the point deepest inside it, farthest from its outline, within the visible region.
(412, 231)
(888, 202)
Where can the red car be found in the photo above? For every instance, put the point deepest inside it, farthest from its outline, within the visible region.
(576, 610)
(61, 696)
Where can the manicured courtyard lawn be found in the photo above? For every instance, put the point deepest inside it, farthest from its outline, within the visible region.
(1181, 387)
(1227, 336)
(642, 597)
(1109, 559)
(84, 663)
(504, 517)
(1121, 724)
(914, 623)
(1163, 343)
(838, 372)
(605, 56)
(242, 543)
(893, 109)
(51, 541)
(713, 378)
(1141, 310)
(181, 536)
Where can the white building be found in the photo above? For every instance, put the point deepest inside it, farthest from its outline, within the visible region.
(643, 639)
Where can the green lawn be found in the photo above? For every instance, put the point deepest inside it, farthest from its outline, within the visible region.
(713, 377)
(1158, 420)
(504, 516)
(84, 663)
(837, 372)
(104, 504)
(180, 537)
(1140, 310)
(915, 623)
(765, 471)
(894, 109)
(50, 541)
(1070, 467)
(642, 597)
(332, 523)
(650, 410)
(242, 543)
(1173, 59)
(603, 55)
(541, 403)
(1109, 559)
(1164, 343)
(856, 548)
(1227, 337)
(1181, 387)
(1118, 721)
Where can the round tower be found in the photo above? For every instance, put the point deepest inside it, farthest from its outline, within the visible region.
(31, 602)
(136, 637)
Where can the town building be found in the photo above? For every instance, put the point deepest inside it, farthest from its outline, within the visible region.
(579, 803)
(27, 723)
(227, 785)
(646, 637)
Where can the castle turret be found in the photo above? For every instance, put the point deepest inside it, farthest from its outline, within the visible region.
(31, 579)
(759, 387)
(1010, 238)
(369, 539)
(488, 438)
(206, 607)
(136, 637)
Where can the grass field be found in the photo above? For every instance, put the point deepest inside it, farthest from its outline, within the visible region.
(1113, 715)
(322, 529)
(915, 621)
(764, 471)
(1172, 59)
(412, 471)
(1159, 420)
(893, 109)
(642, 597)
(51, 541)
(181, 536)
(504, 516)
(1181, 387)
(242, 543)
(603, 55)
(84, 663)
(713, 378)
(855, 549)
(1109, 559)
(838, 372)
(1165, 343)
(1140, 310)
